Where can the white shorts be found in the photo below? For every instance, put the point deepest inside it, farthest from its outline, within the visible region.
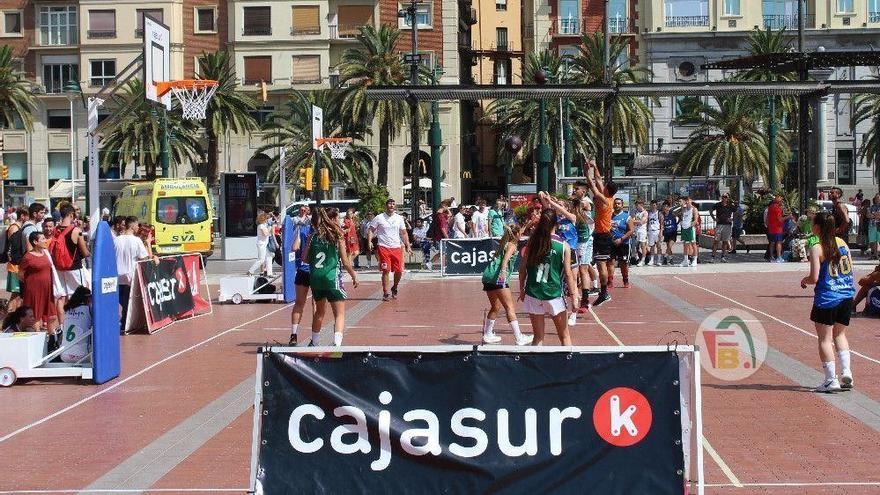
(69, 280)
(585, 253)
(538, 307)
(653, 237)
(642, 235)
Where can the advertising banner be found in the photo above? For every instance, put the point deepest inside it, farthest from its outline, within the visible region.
(165, 292)
(469, 421)
(466, 256)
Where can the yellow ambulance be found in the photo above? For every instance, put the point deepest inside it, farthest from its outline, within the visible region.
(177, 211)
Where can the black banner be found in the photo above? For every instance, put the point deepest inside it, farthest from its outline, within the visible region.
(467, 256)
(166, 290)
(471, 422)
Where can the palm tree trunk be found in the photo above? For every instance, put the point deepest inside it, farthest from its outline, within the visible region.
(384, 138)
(213, 156)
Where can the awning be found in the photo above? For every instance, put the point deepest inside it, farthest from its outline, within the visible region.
(61, 189)
(424, 183)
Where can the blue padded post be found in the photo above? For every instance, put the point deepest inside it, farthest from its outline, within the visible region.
(287, 258)
(106, 362)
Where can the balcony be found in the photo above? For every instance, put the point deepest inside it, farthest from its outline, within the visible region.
(619, 25)
(303, 31)
(575, 26)
(678, 21)
(873, 16)
(256, 31)
(101, 34)
(788, 21)
(344, 31)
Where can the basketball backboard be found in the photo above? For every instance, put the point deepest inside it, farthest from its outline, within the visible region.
(157, 59)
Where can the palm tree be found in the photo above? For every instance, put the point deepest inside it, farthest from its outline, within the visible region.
(17, 101)
(228, 110)
(630, 116)
(375, 62)
(137, 133)
(520, 117)
(290, 126)
(728, 138)
(867, 109)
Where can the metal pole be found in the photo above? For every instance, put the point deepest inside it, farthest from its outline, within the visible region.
(568, 148)
(72, 155)
(92, 167)
(772, 145)
(435, 139)
(282, 182)
(166, 148)
(415, 188)
(543, 151)
(606, 79)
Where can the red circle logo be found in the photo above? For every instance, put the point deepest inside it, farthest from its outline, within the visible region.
(622, 417)
(181, 280)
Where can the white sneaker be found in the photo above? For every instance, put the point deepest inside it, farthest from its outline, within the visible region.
(694, 263)
(524, 339)
(832, 385)
(429, 266)
(491, 338)
(572, 319)
(685, 262)
(641, 263)
(846, 380)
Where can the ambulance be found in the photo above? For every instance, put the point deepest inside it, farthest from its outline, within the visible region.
(176, 210)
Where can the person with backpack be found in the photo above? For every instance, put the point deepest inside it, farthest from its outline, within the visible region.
(16, 247)
(68, 250)
(36, 213)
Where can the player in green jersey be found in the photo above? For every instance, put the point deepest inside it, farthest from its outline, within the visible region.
(495, 283)
(325, 252)
(545, 261)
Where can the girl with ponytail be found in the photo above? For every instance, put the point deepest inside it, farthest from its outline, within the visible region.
(495, 283)
(831, 271)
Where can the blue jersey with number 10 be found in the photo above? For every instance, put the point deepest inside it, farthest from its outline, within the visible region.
(835, 283)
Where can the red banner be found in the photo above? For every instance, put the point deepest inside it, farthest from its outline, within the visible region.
(167, 291)
(200, 295)
(521, 199)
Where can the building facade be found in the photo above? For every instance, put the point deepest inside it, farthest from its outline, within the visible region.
(293, 44)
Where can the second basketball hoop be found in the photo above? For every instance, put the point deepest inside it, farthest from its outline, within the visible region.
(338, 146)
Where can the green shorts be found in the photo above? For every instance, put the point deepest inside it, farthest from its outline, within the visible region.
(332, 295)
(12, 283)
(688, 235)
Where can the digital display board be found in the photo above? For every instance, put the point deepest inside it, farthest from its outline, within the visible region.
(240, 204)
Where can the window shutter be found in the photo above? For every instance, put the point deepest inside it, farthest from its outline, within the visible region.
(258, 20)
(351, 17)
(157, 14)
(206, 20)
(102, 20)
(306, 20)
(306, 68)
(257, 69)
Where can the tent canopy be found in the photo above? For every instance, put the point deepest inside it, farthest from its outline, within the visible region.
(424, 183)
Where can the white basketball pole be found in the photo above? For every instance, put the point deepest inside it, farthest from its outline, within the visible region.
(93, 201)
(282, 182)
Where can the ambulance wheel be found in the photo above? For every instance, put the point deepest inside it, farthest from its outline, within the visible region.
(7, 377)
(236, 299)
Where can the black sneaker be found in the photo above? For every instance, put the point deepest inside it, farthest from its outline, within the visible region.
(386, 297)
(602, 299)
(593, 291)
(394, 293)
(292, 341)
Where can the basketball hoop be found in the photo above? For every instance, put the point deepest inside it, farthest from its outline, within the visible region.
(338, 146)
(193, 94)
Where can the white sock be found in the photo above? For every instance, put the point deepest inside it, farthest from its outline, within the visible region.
(294, 329)
(337, 339)
(595, 283)
(488, 327)
(316, 338)
(844, 360)
(515, 326)
(830, 372)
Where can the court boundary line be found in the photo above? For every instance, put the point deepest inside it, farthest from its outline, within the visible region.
(795, 327)
(135, 375)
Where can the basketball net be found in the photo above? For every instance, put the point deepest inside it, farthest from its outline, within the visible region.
(193, 95)
(338, 146)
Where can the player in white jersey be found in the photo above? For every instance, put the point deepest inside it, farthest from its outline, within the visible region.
(655, 221)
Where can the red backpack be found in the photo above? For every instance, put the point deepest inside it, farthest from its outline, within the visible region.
(61, 256)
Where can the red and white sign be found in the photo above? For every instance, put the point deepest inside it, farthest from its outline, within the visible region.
(622, 417)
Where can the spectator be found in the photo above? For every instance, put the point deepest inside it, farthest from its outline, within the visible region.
(392, 238)
(775, 225)
(36, 213)
(864, 212)
(840, 213)
(37, 275)
(423, 209)
(20, 320)
(77, 326)
(496, 219)
(364, 231)
(303, 215)
(420, 237)
(866, 283)
(480, 220)
(129, 250)
(736, 227)
(16, 247)
(264, 258)
(459, 224)
(69, 249)
(722, 214)
(439, 228)
(874, 226)
(118, 225)
(350, 233)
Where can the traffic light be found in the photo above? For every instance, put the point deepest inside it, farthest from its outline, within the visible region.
(1, 141)
(310, 179)
(4, 172)
(325, 179)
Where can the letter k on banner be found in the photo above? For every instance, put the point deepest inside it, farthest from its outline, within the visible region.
(622, 416)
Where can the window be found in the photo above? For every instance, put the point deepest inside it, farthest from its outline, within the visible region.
(257, 21)
(423, 16)
(257, 70)
(262, 114)
(500, 4)
(102, 24)
(687, 13)
(569, 17)
(17, 124)
(501, 38)
(306, 69)
(617, 18)
(103, 71)
(12, 23)
(845, 167)
(306, 20)
(731, 7)
(59, 166)
(58, 119)
(181, 210)
(502, 72)
(157, 14)
(58, 25)
(683, 106)
(351, 17)
(206, 20)
(873, 11)
(55, 76)
(845, 6)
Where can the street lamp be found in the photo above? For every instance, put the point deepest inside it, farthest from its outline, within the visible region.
(72, 90)
(410, 12)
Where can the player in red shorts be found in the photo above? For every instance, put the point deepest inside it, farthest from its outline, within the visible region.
(390, 229)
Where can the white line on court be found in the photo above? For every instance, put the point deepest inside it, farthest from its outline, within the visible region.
(130, 490)
(799, 329)
(141, 372)
(783, 484)
(712, 452)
